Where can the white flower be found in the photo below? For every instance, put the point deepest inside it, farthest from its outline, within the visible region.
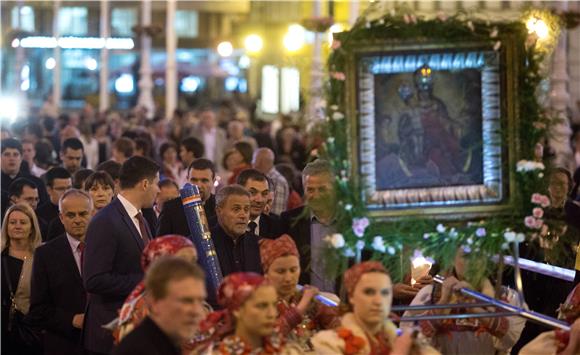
(497, 46)
(494, 33)
(348, 207)
(505, 246)
(360, 245)
(348, 252)
(469, 241)
(453, 233)
(441, 228)
(336, 240)
(391, 250)
(426, 236)
(520, 237)
(330, 140)
(378, 244)
(334, 107)
(337, 116)
(480, 232)
(529, 165)
(509, 236)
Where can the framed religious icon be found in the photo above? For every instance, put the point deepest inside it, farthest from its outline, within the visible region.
(433, 127)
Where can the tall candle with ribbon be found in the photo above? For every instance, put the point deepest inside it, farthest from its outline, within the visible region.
(201, 237)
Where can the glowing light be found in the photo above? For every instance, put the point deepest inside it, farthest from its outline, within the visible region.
(74, 42)
(336, 28)
(253, 43)
(244, 62)
(25, 78)
(539, 27)
(91, 63)
(294, 38)
(190, 84)
(50, 63)
(124, 84)
(231, 83)
(225, 49)
(420, 267)
(10, 108)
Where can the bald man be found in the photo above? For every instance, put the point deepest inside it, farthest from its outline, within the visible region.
(263, 161)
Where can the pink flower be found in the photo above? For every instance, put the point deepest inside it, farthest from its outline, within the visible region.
(538, 212)
(407, 19)
(497, 46)
(336, 44)
(539, 223)
(537, 198)
(413, 18)
(530, 222)
(338, 76)
(545, 201)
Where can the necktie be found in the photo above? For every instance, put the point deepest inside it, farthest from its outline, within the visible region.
(252, 227)
(81, 249)
(143, 228)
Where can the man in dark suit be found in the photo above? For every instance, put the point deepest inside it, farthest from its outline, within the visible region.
(308, 225)
(258, 185)
(58, 180)
(237, 250)
(176, 294)
(115, 240)
(172, 219)
(57, 296)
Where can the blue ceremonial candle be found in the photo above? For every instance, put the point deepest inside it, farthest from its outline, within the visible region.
(201, 236)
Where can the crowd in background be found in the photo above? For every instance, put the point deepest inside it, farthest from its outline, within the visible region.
(94, 234)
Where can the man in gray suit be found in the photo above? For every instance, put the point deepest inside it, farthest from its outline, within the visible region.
(212, 136)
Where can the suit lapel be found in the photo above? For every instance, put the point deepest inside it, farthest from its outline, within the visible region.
(65, 249)
(130, 225)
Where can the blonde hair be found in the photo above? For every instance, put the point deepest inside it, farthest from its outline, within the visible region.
(34, 237)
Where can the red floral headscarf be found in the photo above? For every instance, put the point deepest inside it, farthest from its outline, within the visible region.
(234, 291)
(353, 275)
(165, 245)
(272, 249)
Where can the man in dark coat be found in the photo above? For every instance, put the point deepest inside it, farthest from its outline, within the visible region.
(57, 295)
(264, 225)
(172, 219)
(115, 240)
(171, 321)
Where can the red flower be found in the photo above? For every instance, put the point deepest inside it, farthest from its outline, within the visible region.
(353, 344)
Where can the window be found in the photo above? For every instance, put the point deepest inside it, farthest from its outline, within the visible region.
(186, 23)
(72, 21)
(290, 98)
(122, 20)
(270, 89)
(25, 21)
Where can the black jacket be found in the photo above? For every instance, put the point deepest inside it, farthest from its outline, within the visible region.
(270, 226)
(241, 255)
(172, 219)
(147, 338)
(56, 295)
(297, 225)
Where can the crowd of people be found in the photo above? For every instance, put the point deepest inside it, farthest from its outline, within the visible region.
(98, 258)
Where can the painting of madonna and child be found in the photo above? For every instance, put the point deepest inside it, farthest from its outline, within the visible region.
(428, 128)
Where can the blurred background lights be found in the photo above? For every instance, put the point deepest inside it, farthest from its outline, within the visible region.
(9, 109)
(244, 62)
(190, 84)
(225, 49)
(91, 63)
(539, 27)
(15, 43)
(294, 38)
(124, 84)
(25, 78)
(50, 63)
(253, 43)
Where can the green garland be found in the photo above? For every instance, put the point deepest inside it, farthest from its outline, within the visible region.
(395, 242)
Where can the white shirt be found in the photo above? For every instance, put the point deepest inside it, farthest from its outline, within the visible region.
(209, 141)
(132, 211)
(257, 221)
(74, 245)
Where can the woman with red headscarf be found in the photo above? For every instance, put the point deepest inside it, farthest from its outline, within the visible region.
(365, 329)
(247, 324)
(134, 309)
(299, 315)
(558, 341)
